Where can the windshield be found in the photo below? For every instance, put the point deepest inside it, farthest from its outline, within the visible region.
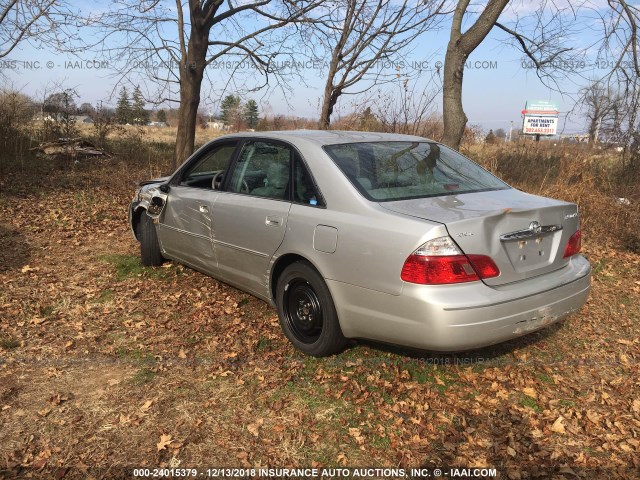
(385, 171)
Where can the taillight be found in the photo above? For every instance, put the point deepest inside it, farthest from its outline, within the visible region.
(573, 245)
(440, 261)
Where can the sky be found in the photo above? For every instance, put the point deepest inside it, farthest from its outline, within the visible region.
(497, 81)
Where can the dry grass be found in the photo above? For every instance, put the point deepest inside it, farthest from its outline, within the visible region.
(164, 135)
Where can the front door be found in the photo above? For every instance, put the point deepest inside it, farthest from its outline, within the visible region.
(185, 225)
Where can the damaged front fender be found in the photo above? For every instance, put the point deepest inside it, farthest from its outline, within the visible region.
(150, 198)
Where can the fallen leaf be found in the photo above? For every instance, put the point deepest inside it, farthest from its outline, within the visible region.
(558, 426)
(165, 440)
(255, 427)
(531, 392)
(593, 417)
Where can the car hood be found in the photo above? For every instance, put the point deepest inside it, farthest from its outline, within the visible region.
(154, 181)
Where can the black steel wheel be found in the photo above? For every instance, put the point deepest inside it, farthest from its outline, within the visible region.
(307, 314)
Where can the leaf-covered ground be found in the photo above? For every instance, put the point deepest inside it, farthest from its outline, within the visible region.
(105, 364)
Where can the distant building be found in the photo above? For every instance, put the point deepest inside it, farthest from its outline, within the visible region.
(57, 117)
(158, 124)
(82, 118)
(575, 137)
(217, 125)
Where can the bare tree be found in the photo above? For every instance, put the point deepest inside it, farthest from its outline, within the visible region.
(365, 41)
(410, 109)
(176, 43)
(619, 52)
(540, 38)
(603, 110)
(37, 20)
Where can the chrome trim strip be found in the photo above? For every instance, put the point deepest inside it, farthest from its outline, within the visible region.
(179, 230)
(216, 242)
(242, 249)
(529, 233)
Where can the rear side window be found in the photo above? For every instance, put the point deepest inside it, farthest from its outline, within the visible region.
(263, 169)
(386, 171)
(305, 190)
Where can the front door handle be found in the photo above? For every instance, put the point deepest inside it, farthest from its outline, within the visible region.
(274, 221)
(204, 208)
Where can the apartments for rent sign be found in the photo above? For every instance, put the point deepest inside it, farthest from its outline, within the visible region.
(540, 118)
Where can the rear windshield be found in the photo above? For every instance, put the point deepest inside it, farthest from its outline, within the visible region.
(385, 171)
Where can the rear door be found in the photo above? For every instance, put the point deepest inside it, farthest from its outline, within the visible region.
(185, 225)
(249, 218)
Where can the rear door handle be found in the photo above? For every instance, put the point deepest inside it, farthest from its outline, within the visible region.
(274, 221)
(204, 209)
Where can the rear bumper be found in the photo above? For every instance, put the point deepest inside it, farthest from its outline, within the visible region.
(464, 316)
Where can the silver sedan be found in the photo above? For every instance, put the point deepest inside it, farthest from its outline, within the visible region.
(387, 237)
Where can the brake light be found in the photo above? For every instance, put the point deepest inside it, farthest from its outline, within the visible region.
(440, 262)
(573, 245)
(484, 266)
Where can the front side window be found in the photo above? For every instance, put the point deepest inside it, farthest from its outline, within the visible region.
(386, 171)
(209, 166)
(262, 169)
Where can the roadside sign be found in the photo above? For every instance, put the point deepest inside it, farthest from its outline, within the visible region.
(540, 117)
(540, 107)
(540, 125)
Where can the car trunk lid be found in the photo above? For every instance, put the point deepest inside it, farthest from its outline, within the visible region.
(524, 234)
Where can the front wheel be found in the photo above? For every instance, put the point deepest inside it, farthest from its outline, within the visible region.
(307, 314)
(150, 253)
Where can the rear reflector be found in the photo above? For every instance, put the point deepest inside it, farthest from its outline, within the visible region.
(573, 245)
(445, 269)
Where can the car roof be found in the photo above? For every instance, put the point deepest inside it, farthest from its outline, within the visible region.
(329, 137)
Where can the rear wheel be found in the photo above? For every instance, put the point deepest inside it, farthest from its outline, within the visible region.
(150, 254)
(307, 314)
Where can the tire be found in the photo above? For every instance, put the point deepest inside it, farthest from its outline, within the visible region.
(150, 254)
(307, 314)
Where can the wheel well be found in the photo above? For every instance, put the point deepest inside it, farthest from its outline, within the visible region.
(282, 263)
(135, 221)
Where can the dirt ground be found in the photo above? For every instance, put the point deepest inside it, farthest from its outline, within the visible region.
(106, 365)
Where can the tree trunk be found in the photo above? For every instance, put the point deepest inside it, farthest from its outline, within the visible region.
(330, 99)
(453, 114)
(327, 108)
(191, 74)
(458, 50)
(331, 94)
